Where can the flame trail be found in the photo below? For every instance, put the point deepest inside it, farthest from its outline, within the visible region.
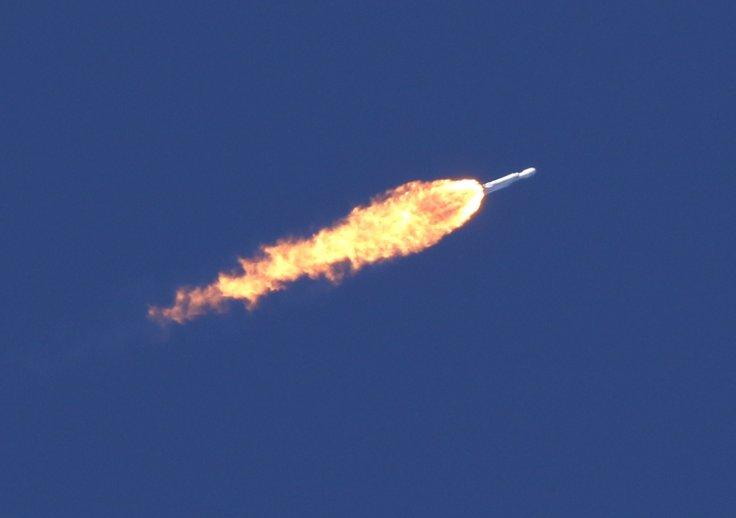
(402, 221)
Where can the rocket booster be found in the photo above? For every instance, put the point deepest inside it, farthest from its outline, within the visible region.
(507, 180)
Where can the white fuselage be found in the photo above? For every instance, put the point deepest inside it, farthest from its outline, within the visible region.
(507, 180)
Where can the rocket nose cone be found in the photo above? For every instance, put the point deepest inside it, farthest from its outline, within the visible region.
(526, 173)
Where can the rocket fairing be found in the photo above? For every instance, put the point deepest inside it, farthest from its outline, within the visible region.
(507, 180)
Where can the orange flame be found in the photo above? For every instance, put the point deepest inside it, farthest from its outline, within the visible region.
(402, 221)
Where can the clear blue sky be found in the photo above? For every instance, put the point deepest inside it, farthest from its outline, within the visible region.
(570, 352)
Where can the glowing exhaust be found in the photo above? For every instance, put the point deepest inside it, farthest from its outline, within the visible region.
(402, 221)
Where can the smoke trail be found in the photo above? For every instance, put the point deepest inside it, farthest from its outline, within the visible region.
(402, 221)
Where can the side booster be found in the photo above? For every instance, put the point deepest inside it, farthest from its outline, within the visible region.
(507, 180)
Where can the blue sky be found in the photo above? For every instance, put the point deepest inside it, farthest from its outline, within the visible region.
(569, 352)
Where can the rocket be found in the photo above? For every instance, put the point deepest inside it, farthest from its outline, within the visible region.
(507, 180)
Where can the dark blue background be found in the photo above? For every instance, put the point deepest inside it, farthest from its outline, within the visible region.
(569, 352)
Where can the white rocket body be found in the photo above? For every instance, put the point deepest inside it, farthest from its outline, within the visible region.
(507, 180)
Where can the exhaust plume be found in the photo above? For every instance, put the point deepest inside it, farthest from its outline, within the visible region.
(402, 221)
